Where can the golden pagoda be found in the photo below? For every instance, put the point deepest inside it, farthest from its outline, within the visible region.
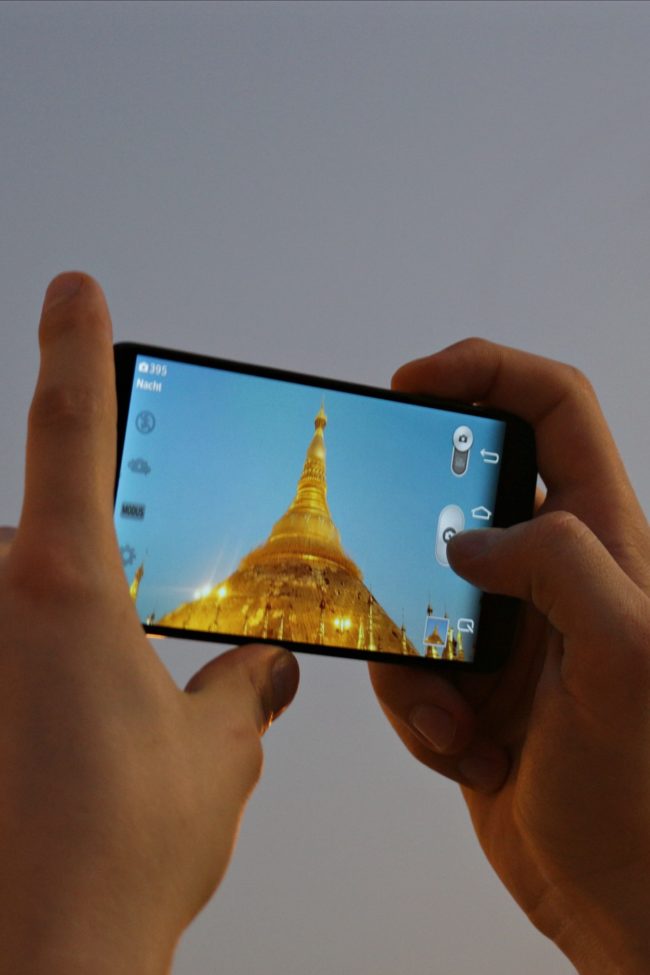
(449, 653)
(434, 639)
(453, 647)
(137, 579)
(431, 652)
(299, 585)
(460, 653)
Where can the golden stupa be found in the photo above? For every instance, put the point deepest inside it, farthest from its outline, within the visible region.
(299, 585)
(434, 638)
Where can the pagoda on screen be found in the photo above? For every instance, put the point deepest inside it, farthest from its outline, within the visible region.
(299, 585)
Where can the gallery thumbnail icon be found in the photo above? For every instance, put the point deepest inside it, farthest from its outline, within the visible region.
(436, 629)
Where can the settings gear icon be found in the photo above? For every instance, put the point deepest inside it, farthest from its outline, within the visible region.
(128, 554)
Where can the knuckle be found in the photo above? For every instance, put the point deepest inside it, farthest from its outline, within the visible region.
(47, 570)
(474, 345)
(560, 523)
(578, 383)
(66, 405)
(478, 342)
(558, 529)
(557, 533)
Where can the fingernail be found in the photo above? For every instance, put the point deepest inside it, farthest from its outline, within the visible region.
(483, 771)
(61, 289)
(471, 544)
(284, 682)
(435, 725)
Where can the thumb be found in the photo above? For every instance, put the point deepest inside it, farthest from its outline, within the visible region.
(556, 563)
(253, 683)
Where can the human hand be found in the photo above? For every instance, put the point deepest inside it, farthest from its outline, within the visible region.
(553, 752)
(121, 795)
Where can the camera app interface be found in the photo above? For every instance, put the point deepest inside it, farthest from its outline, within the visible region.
(254, 507)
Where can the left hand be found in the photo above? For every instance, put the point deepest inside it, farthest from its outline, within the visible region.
(121, 795)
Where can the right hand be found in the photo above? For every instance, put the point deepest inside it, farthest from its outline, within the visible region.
(553, 752)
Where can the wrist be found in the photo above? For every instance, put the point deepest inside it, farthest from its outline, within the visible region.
(94, 934)
(610, 939)
(605, 953)
(83, 949)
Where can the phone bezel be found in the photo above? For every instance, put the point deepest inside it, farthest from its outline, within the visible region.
(514, 502)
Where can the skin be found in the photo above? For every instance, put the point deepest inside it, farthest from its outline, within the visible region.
(121, 794)
(552, 753)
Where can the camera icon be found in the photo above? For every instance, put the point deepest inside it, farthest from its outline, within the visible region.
(462, 440)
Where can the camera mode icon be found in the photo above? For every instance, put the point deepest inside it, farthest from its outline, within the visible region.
(462, 440)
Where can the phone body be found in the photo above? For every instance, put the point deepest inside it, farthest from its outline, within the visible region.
(256, 504)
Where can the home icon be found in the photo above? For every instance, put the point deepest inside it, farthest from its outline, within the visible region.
(481, 513)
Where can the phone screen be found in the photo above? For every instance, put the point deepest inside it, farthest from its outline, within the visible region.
(251, 507)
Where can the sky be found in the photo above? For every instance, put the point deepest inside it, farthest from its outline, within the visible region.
(337, 188)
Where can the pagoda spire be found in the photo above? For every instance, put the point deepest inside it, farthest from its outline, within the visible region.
(307, 528)
(311, 493)
(460, 653)
(135, 585)
(449, 653)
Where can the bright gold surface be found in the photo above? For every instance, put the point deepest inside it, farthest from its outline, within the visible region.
(299, 584)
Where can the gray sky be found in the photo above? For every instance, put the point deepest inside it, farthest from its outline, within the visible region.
(335, 188)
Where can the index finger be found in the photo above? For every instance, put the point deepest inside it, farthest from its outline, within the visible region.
(573, 439)
(576, 453)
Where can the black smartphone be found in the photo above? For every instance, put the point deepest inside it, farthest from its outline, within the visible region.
(258, 504)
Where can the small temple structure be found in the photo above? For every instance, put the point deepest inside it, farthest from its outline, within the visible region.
(452, 649)
(299, 585)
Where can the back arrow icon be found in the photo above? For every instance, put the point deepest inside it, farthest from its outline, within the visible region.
(490, 456)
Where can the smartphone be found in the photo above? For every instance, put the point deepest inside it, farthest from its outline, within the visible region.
(255, 504)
